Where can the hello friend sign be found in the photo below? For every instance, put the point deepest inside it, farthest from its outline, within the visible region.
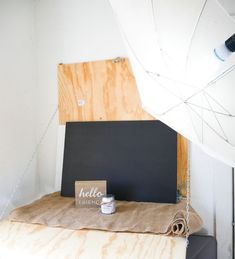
(89, 193)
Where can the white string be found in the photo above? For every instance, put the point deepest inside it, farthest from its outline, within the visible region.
(193, 34)
(210, 110)
(21, 177)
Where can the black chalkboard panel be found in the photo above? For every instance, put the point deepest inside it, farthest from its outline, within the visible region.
(137, 158)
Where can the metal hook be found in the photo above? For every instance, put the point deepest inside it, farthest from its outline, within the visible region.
(118, 59)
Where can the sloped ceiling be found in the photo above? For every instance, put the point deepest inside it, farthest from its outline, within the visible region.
(229, 5)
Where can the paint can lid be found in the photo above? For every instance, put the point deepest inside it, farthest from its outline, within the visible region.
(107, 198)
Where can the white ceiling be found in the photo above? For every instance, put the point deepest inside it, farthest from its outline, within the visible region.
(229, 5)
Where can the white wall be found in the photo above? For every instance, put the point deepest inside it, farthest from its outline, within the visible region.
(17, 100)
(211, 196)
(67, 32)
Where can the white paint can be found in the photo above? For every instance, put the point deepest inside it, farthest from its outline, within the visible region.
(108, 204)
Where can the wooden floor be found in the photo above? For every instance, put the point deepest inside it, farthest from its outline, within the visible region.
(20, 240)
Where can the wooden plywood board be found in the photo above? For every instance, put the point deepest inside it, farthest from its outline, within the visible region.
(98, 91)
(31, 241)
(106, 91)
(182, 165)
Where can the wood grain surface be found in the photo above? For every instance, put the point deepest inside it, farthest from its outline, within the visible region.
(106, 91)
(31, 241)
(107, 88)
(182, 165)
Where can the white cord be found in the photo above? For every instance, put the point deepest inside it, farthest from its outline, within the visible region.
(21, 177)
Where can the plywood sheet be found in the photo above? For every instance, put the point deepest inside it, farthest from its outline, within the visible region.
(98, 91)
(31, 241)
(105, 91)
(182, 165)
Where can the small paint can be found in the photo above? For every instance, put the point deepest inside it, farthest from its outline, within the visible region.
(108, 204)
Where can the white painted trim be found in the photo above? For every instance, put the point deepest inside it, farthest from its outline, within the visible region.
(59, 156)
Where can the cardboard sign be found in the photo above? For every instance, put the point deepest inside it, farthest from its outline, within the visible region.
(89, 193)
